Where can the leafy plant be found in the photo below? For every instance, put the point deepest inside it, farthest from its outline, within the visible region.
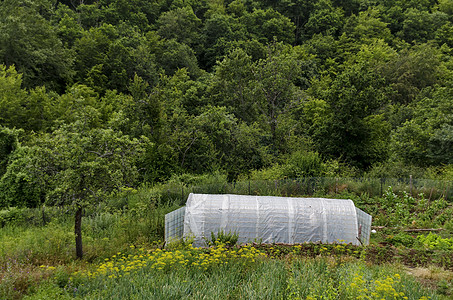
(222, 237)
(434, 241)
(401, 238)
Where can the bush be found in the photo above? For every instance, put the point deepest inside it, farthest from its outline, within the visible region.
(10, 216)
(434, 241)
(304, 164)
(20, 186)
(47, 291)
(275, 172)
(401, 239)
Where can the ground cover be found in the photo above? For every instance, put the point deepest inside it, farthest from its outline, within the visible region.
(126, 258)
(248, 272)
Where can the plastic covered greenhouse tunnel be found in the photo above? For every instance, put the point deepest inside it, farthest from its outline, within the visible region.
(268, 219)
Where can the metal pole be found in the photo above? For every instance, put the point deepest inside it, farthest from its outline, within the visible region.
(410, 183)
(249, 187)
(336, 185)
(381, 185)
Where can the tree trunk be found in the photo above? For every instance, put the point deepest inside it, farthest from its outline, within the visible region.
(78, 232)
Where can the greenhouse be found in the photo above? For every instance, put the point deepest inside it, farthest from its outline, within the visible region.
(269, 219)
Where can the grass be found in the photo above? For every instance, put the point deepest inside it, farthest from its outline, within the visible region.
(37, 256)
(230, 275)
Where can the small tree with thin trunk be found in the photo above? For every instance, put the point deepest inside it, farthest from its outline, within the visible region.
(81, 166)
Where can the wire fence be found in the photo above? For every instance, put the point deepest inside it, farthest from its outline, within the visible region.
(176, 193)
(316, 186)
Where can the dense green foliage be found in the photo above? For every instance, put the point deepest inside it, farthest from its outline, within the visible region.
(100, 97)
(232, 86)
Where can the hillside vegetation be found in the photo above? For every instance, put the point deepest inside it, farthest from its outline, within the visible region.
(112, 111)
(332, 87)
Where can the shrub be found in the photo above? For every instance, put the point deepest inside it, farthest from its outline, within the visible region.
(11, 216)
(434, 241)
(401, 239)
(304, 164)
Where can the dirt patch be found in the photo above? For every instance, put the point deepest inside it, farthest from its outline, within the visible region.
(431, 273)
(432, 276)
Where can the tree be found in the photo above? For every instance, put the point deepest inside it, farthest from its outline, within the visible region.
(133, 12)
(11, 96)
(22, 184)
(444, 34)
(172, 56)
(274, 86)
(353, 103)
(235, 144)
(446, 6)
(108, 57)
(215, 140)
(78, 103)
(411, 71)
(144, 111)
(68, 29)
(8, 144)
(218, 32)
(230, 85)
(426, 139)
(367, 27)
(180, 24)
(28, 41)
(419, 26)
(297, 10)
(325, 18)
(264, 90)
(269, 25)
(19, 108)
(81, 165)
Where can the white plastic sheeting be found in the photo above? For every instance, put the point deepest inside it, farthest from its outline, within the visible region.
(269, 219)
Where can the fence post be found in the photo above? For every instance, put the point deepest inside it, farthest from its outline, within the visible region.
(382, 182)
(298, 187)
(410, 183)
(44, 221)
(446, 192)
(336, 185)
(182, 194)
(249, 187)
(310, 186)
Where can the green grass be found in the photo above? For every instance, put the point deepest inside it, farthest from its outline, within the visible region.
(37, 255)
(297, 278)
(48, 244)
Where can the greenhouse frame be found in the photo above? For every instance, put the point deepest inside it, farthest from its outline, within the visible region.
(269, 219)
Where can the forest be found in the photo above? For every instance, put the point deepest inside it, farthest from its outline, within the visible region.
(113, 93)
(115, 110)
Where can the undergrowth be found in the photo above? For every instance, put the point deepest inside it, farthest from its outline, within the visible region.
(37, 258)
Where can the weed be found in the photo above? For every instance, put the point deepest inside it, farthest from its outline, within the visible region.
(227, 238)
